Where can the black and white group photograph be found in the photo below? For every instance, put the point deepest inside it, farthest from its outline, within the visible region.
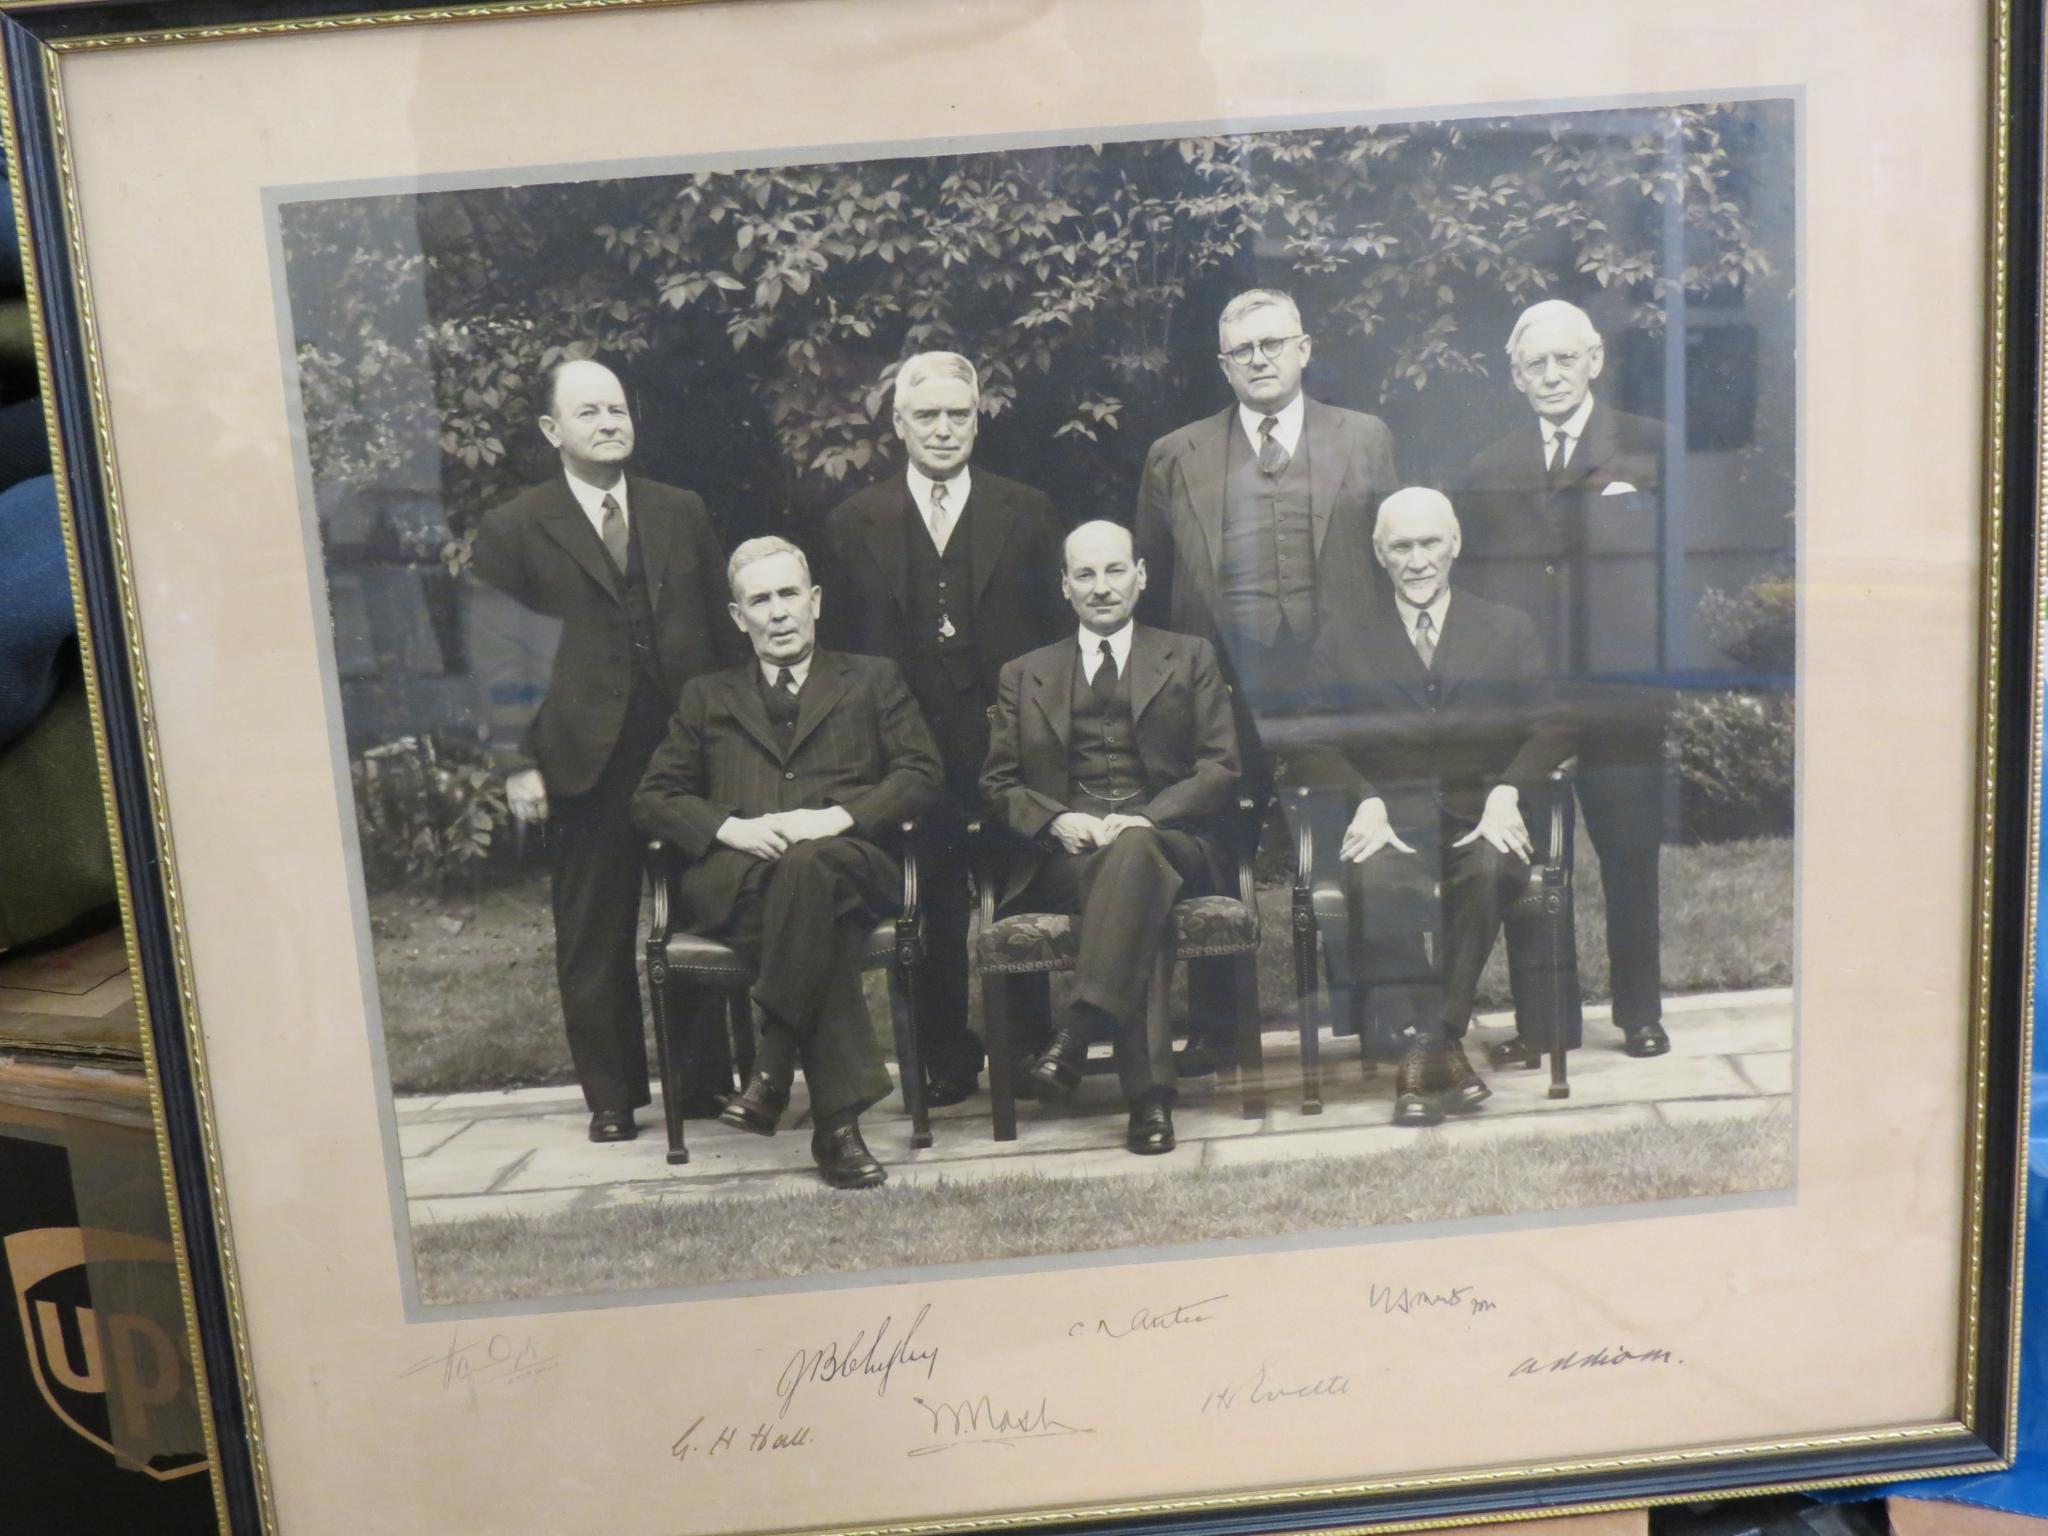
(957, 706)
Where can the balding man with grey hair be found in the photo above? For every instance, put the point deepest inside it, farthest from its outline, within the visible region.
(1435, 716)
(1240, 513)
(950, 572)
(632, 571)
(1564, 521)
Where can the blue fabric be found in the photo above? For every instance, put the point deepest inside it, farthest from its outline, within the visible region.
(35, 603)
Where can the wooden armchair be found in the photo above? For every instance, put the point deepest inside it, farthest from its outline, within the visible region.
(1539, 922)
(1034, 945)
(682, 965)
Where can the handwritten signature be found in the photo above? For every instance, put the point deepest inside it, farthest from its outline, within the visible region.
(1387, 1300)
(726, 1437)
(977, 1421)
(496, 1360)
(1599, 1359)
(1260, 1389)
(860, 1358)
(1149, 1320)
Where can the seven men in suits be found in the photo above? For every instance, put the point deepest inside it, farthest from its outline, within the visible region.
(1113, 758)
(632, 572)
(948, 571)
(784, 779)
(1243, 516)
(1436, 716)
(1564, 523)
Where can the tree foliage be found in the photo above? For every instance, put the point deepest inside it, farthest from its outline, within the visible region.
(1084, 280)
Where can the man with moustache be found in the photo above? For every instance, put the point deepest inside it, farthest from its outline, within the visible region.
(1253, 521)
(948, 571)
(1113, 759)
(1436, 717)
(1565, 525)
(783, 781)
(632, 572)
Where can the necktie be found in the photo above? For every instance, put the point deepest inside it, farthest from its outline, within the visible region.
(1105, 671)
(1560, 452)
(786, 681)
(782, 704)
(1273, 455)
(613, 531)
(1425, 637)
(942, 516)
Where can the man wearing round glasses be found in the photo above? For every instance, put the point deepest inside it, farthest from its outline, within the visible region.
(1237, 511)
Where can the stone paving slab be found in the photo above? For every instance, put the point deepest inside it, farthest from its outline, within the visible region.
(527, 1152)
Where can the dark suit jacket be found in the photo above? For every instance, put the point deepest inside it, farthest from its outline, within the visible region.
(1435, 739)
(540, 550)
(859, 743)
(1180, 509)
(865, 574)
(1181, 716)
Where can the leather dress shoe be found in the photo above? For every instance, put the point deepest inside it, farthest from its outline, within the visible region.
(1151, 1129)
(944, 1092)
(1463, 1087)
(844, 1159)
(756, 1107)
(1514, 1052)
(1058, 1071)
(1416, 1085)
(613, 1125)
(702, 1106)
(1195, 1059)
(1645, 1040)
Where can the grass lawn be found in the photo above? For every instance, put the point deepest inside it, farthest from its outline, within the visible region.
(469, 1001)
(707, 1240)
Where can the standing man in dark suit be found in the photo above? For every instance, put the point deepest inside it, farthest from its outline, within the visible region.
(1563, 518)
(1114, 759)
(1243, 516)
(949, 572)
(783, 779)
(1437, 716)
(632, 572)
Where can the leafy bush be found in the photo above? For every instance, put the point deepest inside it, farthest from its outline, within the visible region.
(1735, 747)
(428, 811)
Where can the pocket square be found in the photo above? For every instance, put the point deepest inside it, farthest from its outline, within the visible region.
(1618, 488)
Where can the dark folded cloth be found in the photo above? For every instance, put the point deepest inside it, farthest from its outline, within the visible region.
(36, 624)
(55, 862)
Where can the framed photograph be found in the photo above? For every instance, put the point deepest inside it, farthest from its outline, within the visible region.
(904, 767)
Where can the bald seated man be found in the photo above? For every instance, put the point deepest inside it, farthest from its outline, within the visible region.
(632, 571)
(1436, 718)
(1113, 762)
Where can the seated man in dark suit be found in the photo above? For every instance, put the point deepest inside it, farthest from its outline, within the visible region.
(1436, 716)
(1114, 757)
(782, 779)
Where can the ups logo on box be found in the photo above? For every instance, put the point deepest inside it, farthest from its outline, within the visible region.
(112, 1375)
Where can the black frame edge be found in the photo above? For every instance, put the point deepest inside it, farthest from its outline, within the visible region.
(69, 407)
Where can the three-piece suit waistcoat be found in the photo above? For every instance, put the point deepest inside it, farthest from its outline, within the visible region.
(1267, 576)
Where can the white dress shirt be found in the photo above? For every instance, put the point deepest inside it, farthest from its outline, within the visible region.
(1286, 428)
(800, 670)
(1410, 615)
(1572, 428)
(1119, 648)
(958, 489)
(591, 500)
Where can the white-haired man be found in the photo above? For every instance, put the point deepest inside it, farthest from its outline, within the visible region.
(1437, 718)
(632, 571)
(1241, 514)
(1564, 521)
(950, 572)
(782, 780)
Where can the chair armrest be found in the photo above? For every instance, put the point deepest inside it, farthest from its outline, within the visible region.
(982, 859)
(662, 867)
(910, 897)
